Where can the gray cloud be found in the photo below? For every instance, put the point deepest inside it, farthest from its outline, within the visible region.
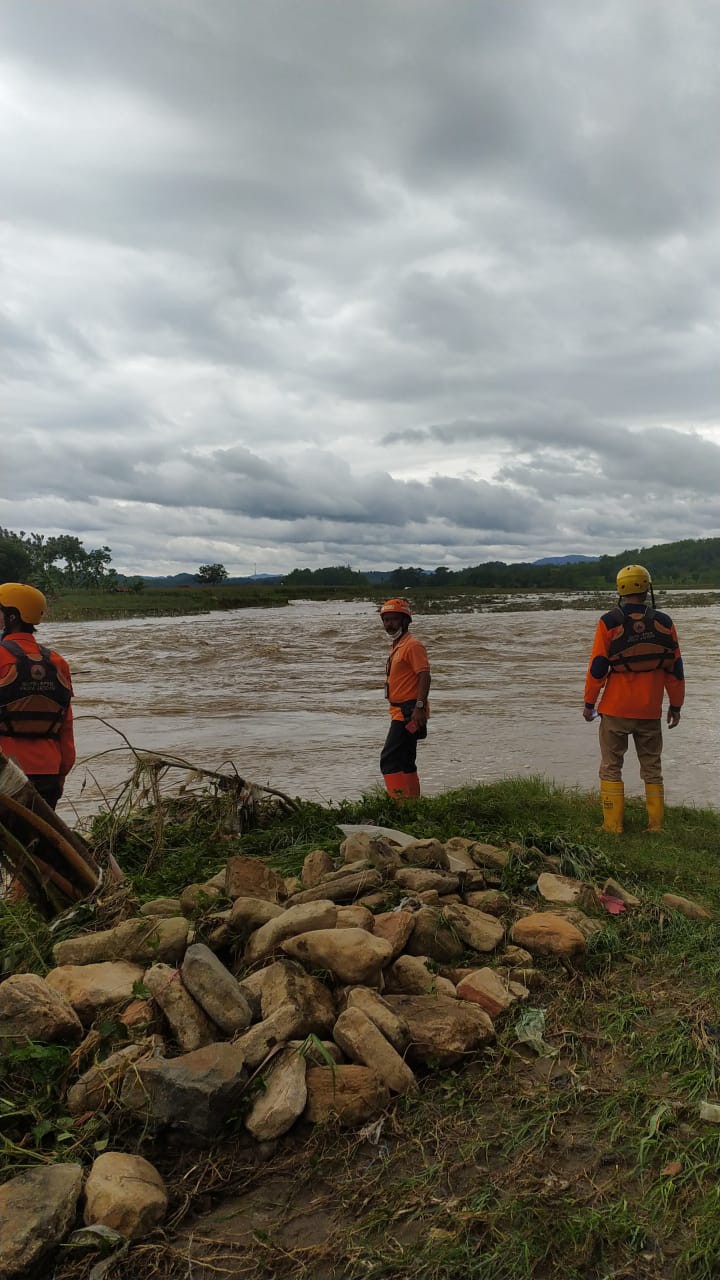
(289, 283)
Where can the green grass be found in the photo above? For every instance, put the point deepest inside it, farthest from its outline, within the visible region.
(590, 1164)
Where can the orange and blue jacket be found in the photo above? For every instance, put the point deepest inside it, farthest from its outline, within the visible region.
(408, 657)
(635, 694)
(39, 755)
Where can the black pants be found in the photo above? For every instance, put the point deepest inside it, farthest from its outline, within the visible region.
(49, 786)
(400, 751)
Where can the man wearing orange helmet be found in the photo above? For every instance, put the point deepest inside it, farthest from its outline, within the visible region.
(36, 722)
(635, 660)
(406, 688)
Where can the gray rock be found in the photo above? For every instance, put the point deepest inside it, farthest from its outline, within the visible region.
(101, 1083)
(476, 929)
(37, 1209)
(196, 1092)
(283, 1025)
(395, 1030)
(190, 1025)
(215, 989)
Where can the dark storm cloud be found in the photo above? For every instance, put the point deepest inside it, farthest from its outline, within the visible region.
(369, 282)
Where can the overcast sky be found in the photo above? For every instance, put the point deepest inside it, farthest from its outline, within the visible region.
(298, 283)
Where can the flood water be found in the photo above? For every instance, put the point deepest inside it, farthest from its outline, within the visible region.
(294, 697)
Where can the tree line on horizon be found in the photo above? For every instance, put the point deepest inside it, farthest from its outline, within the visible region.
(64, 563)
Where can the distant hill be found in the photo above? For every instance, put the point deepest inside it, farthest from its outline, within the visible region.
(566, 560)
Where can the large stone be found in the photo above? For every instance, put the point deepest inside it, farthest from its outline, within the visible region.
(615, 890)
(300, 919)
(215, 989)
(37, 1209)
(486, 988)
(433, 937)
(276, 1109)
(543, 933)
(418, 880)
(443, 1031)
(125, 1192)
(351, 1094)
(410, 976)
(491, 901)
(395, 927)
(585, 924)
(32, 1010)
(383, 855)
(394, 1029)
(316, 865)
(287, 983)
(93, 988)
(686, 907)
(355, 917)
(344, 888)
(139, 941)
(281, 1026)
(100, 1085)
(477, 929)
(189, 1023)
(248, 914)
(361, 1040)
(555, 888)
(352, 955)
(196, 899)
(425, 853)
(488, 855)
(458, 854)
(250, 878)
(197, 1092)
(161, 907)
(355, 846)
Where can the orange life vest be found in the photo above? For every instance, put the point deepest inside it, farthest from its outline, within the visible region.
(33, 698)
(644, 643)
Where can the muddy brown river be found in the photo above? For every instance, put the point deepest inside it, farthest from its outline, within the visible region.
(294, 697)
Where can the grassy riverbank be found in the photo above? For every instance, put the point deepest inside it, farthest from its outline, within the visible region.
(158, 602)
(591, 1162)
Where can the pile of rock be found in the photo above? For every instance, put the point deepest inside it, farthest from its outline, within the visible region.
(260, 1000)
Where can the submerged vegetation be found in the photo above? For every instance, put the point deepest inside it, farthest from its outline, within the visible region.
(591, 1161)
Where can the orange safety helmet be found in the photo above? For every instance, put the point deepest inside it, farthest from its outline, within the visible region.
(396, 605)
(29, 602)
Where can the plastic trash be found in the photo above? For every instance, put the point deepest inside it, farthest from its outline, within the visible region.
(529, 1029)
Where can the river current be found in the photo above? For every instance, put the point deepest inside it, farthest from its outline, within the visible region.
(294, 697)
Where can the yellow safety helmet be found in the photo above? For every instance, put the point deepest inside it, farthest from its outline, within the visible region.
(396, 605)
(29, 602)
(633, 580)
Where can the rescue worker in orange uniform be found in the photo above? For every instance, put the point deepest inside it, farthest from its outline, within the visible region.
(406, 688)
(635, 660)
(36, 721)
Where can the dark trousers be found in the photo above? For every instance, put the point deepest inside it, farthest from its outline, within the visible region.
(400, 750)
(49, 786)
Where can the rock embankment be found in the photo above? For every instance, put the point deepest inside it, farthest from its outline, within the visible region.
(269, 1002)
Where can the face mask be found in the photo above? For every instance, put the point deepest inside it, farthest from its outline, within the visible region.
(393, 635)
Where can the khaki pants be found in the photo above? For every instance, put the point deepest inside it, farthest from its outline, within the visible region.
(647, 736)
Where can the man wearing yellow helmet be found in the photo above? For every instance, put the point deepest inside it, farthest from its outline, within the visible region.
(635, 660)
(36, 723)
(406, 688)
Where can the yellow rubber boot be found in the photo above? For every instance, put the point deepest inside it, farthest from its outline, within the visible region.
(612, 795)
(655, 805)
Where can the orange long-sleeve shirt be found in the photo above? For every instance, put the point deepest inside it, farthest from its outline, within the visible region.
(40, 755)
(635, 695)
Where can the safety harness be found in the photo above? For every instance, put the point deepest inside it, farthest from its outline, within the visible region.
(33, 700)
(644, 644)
